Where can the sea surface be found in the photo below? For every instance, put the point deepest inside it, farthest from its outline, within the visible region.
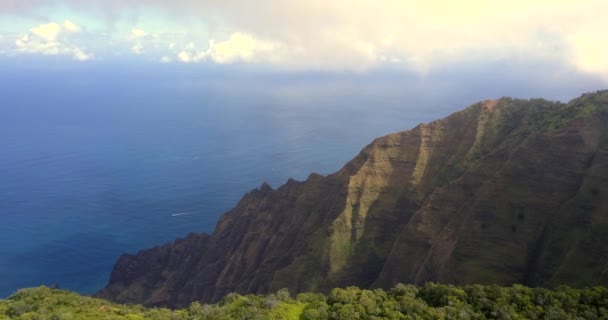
(97, 160)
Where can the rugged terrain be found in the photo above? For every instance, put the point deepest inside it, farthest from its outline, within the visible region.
(506, 191)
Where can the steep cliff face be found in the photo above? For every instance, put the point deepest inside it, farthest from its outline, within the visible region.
(506, 191)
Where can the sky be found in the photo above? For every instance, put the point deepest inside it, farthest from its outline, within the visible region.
(356, 36)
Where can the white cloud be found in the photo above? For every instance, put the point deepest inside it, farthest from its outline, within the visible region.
(355, 35)
(47, 32)
(25, 45)
(80, 55)
(239, 47)
(51, 39)
(166, 59)
(346, 34)
(184, 56)
(70, 26)
(138, 48)
(138, 33)
(590, 52)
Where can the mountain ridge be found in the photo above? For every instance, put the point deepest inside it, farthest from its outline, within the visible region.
(505, 191)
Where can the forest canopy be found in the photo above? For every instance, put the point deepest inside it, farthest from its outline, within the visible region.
(431, 301)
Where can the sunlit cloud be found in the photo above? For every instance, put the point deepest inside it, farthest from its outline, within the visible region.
(51, 39)
(590, 51)
(70, 26)
(138, 33)
(47, 32)
(345, 34)
(26, 45)
(184, 57)
(80, 55)
(239, 47)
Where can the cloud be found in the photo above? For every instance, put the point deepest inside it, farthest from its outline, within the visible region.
(165, 59)
(239, 47)
(419, 35)
(590, 52)
(138, 48)
(363, 34)
(51, 39)
(184, 56)
(70, 26)
(26, 45)
(242, 47)
(47, 32)
(588, 43)
(138, 33)
(139, 36)
(80, 55)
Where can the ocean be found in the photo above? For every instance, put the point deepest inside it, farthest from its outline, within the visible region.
(99, 161)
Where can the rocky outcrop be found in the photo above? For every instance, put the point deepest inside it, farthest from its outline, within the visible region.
(505, 191)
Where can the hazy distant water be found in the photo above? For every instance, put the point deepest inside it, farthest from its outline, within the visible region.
(96, 159)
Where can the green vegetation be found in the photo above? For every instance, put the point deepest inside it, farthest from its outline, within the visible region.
(547, 116)
(432, 301)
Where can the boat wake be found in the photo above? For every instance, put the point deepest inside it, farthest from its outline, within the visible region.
(183, 213)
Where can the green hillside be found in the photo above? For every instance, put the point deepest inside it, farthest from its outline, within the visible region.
(432, 301)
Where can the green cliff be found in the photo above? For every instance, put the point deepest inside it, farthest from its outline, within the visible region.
(506, 191)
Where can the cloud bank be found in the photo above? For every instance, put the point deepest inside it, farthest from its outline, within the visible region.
(360, 34)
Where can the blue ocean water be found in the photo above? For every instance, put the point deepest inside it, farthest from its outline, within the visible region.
(97, 159)
(97, 162)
